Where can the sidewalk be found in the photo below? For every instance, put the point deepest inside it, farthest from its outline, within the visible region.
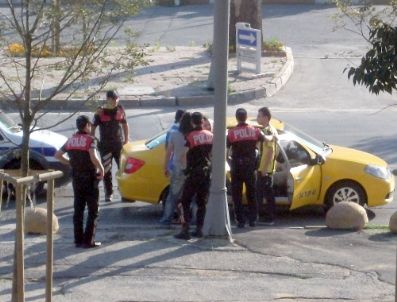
(178, 77)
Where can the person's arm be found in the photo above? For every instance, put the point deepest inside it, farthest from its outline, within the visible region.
(97, 162)
(93, 128)
(168, 153)
(60, 156)
(126, 131)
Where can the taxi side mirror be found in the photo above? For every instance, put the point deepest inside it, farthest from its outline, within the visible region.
(317, 160)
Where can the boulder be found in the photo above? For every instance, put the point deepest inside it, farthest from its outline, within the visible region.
(346, 216)
(393, 223)
(36, 221)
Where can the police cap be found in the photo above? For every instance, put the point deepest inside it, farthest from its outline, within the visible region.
(82, 121)
(241, 114)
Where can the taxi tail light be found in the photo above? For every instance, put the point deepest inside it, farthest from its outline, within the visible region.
(132, 165)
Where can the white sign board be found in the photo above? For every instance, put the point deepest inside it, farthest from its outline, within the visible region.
(248, 46)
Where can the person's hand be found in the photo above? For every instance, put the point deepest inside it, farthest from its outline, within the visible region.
(125, 141)
(100, 174)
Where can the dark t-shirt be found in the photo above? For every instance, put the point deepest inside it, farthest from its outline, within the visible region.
(109, 122)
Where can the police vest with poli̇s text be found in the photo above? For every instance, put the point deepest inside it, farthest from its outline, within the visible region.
(77, 147)
(243, 140)
(109, 122)
(199, 142)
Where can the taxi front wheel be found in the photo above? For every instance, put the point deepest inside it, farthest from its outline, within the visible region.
(345, 191)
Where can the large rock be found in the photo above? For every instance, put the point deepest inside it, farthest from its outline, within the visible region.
(393, 223)
(36, 221)
(346, 216)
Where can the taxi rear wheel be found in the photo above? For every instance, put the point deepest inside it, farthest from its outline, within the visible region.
(345, 191)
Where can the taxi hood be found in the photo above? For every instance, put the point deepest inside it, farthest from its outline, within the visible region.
(352, 155)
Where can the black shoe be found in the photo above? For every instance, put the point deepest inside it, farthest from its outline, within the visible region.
(109, 198)
(252, 224)
(92, 245)
(197, 234)
(78, 245)
(240, 225)
(184, 235)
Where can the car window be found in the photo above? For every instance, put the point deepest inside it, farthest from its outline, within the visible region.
(156, 140)
(296, 154)
(7, 123)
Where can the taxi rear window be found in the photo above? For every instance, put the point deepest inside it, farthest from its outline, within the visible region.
(156, 141)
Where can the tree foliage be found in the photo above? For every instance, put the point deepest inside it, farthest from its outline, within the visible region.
(84, 30)
(377, 25)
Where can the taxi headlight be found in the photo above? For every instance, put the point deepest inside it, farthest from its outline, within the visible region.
(377, 171)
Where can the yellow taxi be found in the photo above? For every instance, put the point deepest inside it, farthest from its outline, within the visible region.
(309, 172)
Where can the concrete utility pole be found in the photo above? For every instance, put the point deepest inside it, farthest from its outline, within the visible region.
(217, 221)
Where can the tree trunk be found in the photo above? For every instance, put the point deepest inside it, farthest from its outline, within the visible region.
(248, 11)
(56, 27)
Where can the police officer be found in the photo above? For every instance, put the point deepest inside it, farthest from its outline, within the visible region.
(267, 166)
(112, 121)
(198, 170)
(86, 172)
(241, 142)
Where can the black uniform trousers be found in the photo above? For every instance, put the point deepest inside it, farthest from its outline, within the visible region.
(86, 193)
(243, 172)
(197, 184)
(109, 151)
(264, 189)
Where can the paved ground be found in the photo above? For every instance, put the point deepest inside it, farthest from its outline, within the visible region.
(296, 260)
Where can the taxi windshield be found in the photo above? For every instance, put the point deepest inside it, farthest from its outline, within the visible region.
(304, 138)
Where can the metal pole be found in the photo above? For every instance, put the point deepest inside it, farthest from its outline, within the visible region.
(217, 222)
(20, 267)
(50, 250)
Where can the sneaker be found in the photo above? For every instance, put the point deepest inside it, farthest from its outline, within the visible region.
(78, 245)
(184, 235)
(109, 198)
(268, 222)
(240, 225)
(252, 224)
(197, 233)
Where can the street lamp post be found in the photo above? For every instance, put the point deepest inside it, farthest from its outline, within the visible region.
(217, 222)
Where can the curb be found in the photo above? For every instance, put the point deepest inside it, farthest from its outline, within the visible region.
(282, 78)
(189, 101)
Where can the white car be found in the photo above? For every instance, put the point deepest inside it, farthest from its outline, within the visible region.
(43, 145)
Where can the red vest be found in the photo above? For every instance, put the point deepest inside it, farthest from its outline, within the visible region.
(243, 133)
(79, 142)
(107, 118)
(199, 138)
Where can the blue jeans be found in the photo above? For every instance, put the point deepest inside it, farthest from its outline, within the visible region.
(177, 181)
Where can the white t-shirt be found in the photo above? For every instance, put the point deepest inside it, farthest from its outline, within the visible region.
(177, 141)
